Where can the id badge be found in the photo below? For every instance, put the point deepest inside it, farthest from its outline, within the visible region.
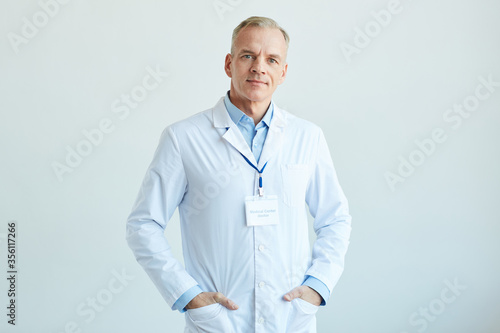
(261, 210)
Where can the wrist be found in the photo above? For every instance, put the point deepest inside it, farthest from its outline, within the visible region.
(193, 303)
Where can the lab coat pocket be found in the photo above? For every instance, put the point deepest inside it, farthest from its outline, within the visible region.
(302, 317)
(295, 178)
(208, 319)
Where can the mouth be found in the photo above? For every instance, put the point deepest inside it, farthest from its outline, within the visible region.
(256, 82)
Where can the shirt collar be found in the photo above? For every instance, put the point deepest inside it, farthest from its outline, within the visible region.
(236, 114)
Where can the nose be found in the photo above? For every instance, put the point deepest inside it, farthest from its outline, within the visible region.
(258, 66)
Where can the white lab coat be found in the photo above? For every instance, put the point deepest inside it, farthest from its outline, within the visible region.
(198, 168)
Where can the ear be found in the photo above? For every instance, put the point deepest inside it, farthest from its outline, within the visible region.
(283, 73)
(227, 64)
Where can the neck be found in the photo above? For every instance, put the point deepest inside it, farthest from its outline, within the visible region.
(254, 109)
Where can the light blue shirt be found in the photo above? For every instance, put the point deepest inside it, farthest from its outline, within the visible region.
(255, 136)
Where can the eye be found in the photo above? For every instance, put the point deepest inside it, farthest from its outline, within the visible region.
(247, 56)
(272, 60)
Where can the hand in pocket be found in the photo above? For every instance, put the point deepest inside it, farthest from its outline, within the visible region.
(306, 294)
(207, 298)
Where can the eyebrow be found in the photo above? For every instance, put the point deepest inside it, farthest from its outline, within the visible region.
(251, 52)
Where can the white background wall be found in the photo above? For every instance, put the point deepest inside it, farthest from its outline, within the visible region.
(440, 224)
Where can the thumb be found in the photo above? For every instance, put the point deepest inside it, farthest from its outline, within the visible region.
(226, 302)
(292, 294)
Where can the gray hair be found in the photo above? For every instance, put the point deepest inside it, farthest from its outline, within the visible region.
(258, 21)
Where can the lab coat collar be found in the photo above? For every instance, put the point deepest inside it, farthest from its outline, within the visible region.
(274, 139)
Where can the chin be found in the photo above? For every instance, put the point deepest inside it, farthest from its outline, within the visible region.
(257, 96)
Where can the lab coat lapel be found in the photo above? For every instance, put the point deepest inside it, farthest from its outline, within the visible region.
(275, 136)
(232, 135)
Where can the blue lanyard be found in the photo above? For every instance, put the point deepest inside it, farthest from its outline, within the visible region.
(261, 190)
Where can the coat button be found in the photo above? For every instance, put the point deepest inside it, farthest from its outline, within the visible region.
(261, 320)
(262, 284)
(261, 247)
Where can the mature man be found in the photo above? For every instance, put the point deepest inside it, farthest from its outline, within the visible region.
(241, 174)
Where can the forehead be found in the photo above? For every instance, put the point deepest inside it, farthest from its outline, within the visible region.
(256, 39)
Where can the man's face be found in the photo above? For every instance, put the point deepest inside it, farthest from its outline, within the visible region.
(257, 65)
